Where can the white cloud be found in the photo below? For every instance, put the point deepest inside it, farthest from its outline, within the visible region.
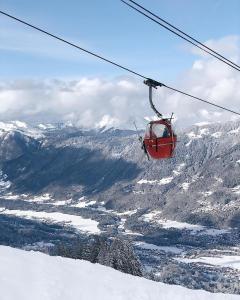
(117, 102)
(227, 46)
(87, 102)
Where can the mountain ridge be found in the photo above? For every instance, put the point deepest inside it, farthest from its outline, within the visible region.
(202, 178)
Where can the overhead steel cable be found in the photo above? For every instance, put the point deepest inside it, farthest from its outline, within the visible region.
(181, 34)
(200, 99)
(69, 43)
(184, 33)
(112, 62)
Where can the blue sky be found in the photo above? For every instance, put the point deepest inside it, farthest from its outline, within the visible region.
(42, 79)
(113, 30)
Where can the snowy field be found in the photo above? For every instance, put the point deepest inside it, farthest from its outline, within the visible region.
(81, 224)
(33, 275)
(165, 180)
(147, 246)
(155, 216)
(231, 261)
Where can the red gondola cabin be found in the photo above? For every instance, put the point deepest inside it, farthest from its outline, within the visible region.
(160, 140)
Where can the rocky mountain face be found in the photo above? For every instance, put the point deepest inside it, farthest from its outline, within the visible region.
(200, 185)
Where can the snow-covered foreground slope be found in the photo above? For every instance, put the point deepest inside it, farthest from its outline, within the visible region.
(33, 275)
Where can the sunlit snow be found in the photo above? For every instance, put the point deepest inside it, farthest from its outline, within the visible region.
(185, 185)
(83, 203)
(206, 194)
(81, 224)
(147, 246)
(155, 216)
(162, 181)
(178, 169)
(33, 275)
(199, 124)
(236, 189)
(231, 261)
(237, 130)
(217, 134)
(148, 217)
(61, 202)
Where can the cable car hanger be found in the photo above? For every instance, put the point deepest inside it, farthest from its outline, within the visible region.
(153, 84)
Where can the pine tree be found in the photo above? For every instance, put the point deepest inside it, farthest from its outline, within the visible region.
(123, 257)
(119, 255)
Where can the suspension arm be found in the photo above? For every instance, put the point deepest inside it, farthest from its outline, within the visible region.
(153, 84)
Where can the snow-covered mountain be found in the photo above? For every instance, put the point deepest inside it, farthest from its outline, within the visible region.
(33, 275)
(65, 182)
(201, 184)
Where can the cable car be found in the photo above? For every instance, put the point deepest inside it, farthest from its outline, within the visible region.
(160, 140)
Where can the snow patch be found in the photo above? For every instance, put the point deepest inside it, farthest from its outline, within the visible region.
(179, 225)
(20, 124)
(122, 223)
(179, 169)
(185, 185)
(151, 215)
(218, 179)
(162, 181)
(130, 232)
(21, 127)
(231, 261)
(165, 180)
(202, 124)
(81, 224)
(61, 202)
(193, 135)
(144, 181)
(83, 203)
(204, 131)
(169, 249)
(7, 126)
(194, 228)
(11, 197)
(236, 189)
(41, 198)
(4, 183)
(214, 232)
(138, 192)
(46, 126)
(126, 213)
(237, 130)
(189, 143)
(217, 134)
(206, 194)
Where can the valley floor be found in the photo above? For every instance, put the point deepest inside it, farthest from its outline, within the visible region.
(191, 255)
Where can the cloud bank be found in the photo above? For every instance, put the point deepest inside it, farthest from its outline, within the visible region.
(97, 102)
